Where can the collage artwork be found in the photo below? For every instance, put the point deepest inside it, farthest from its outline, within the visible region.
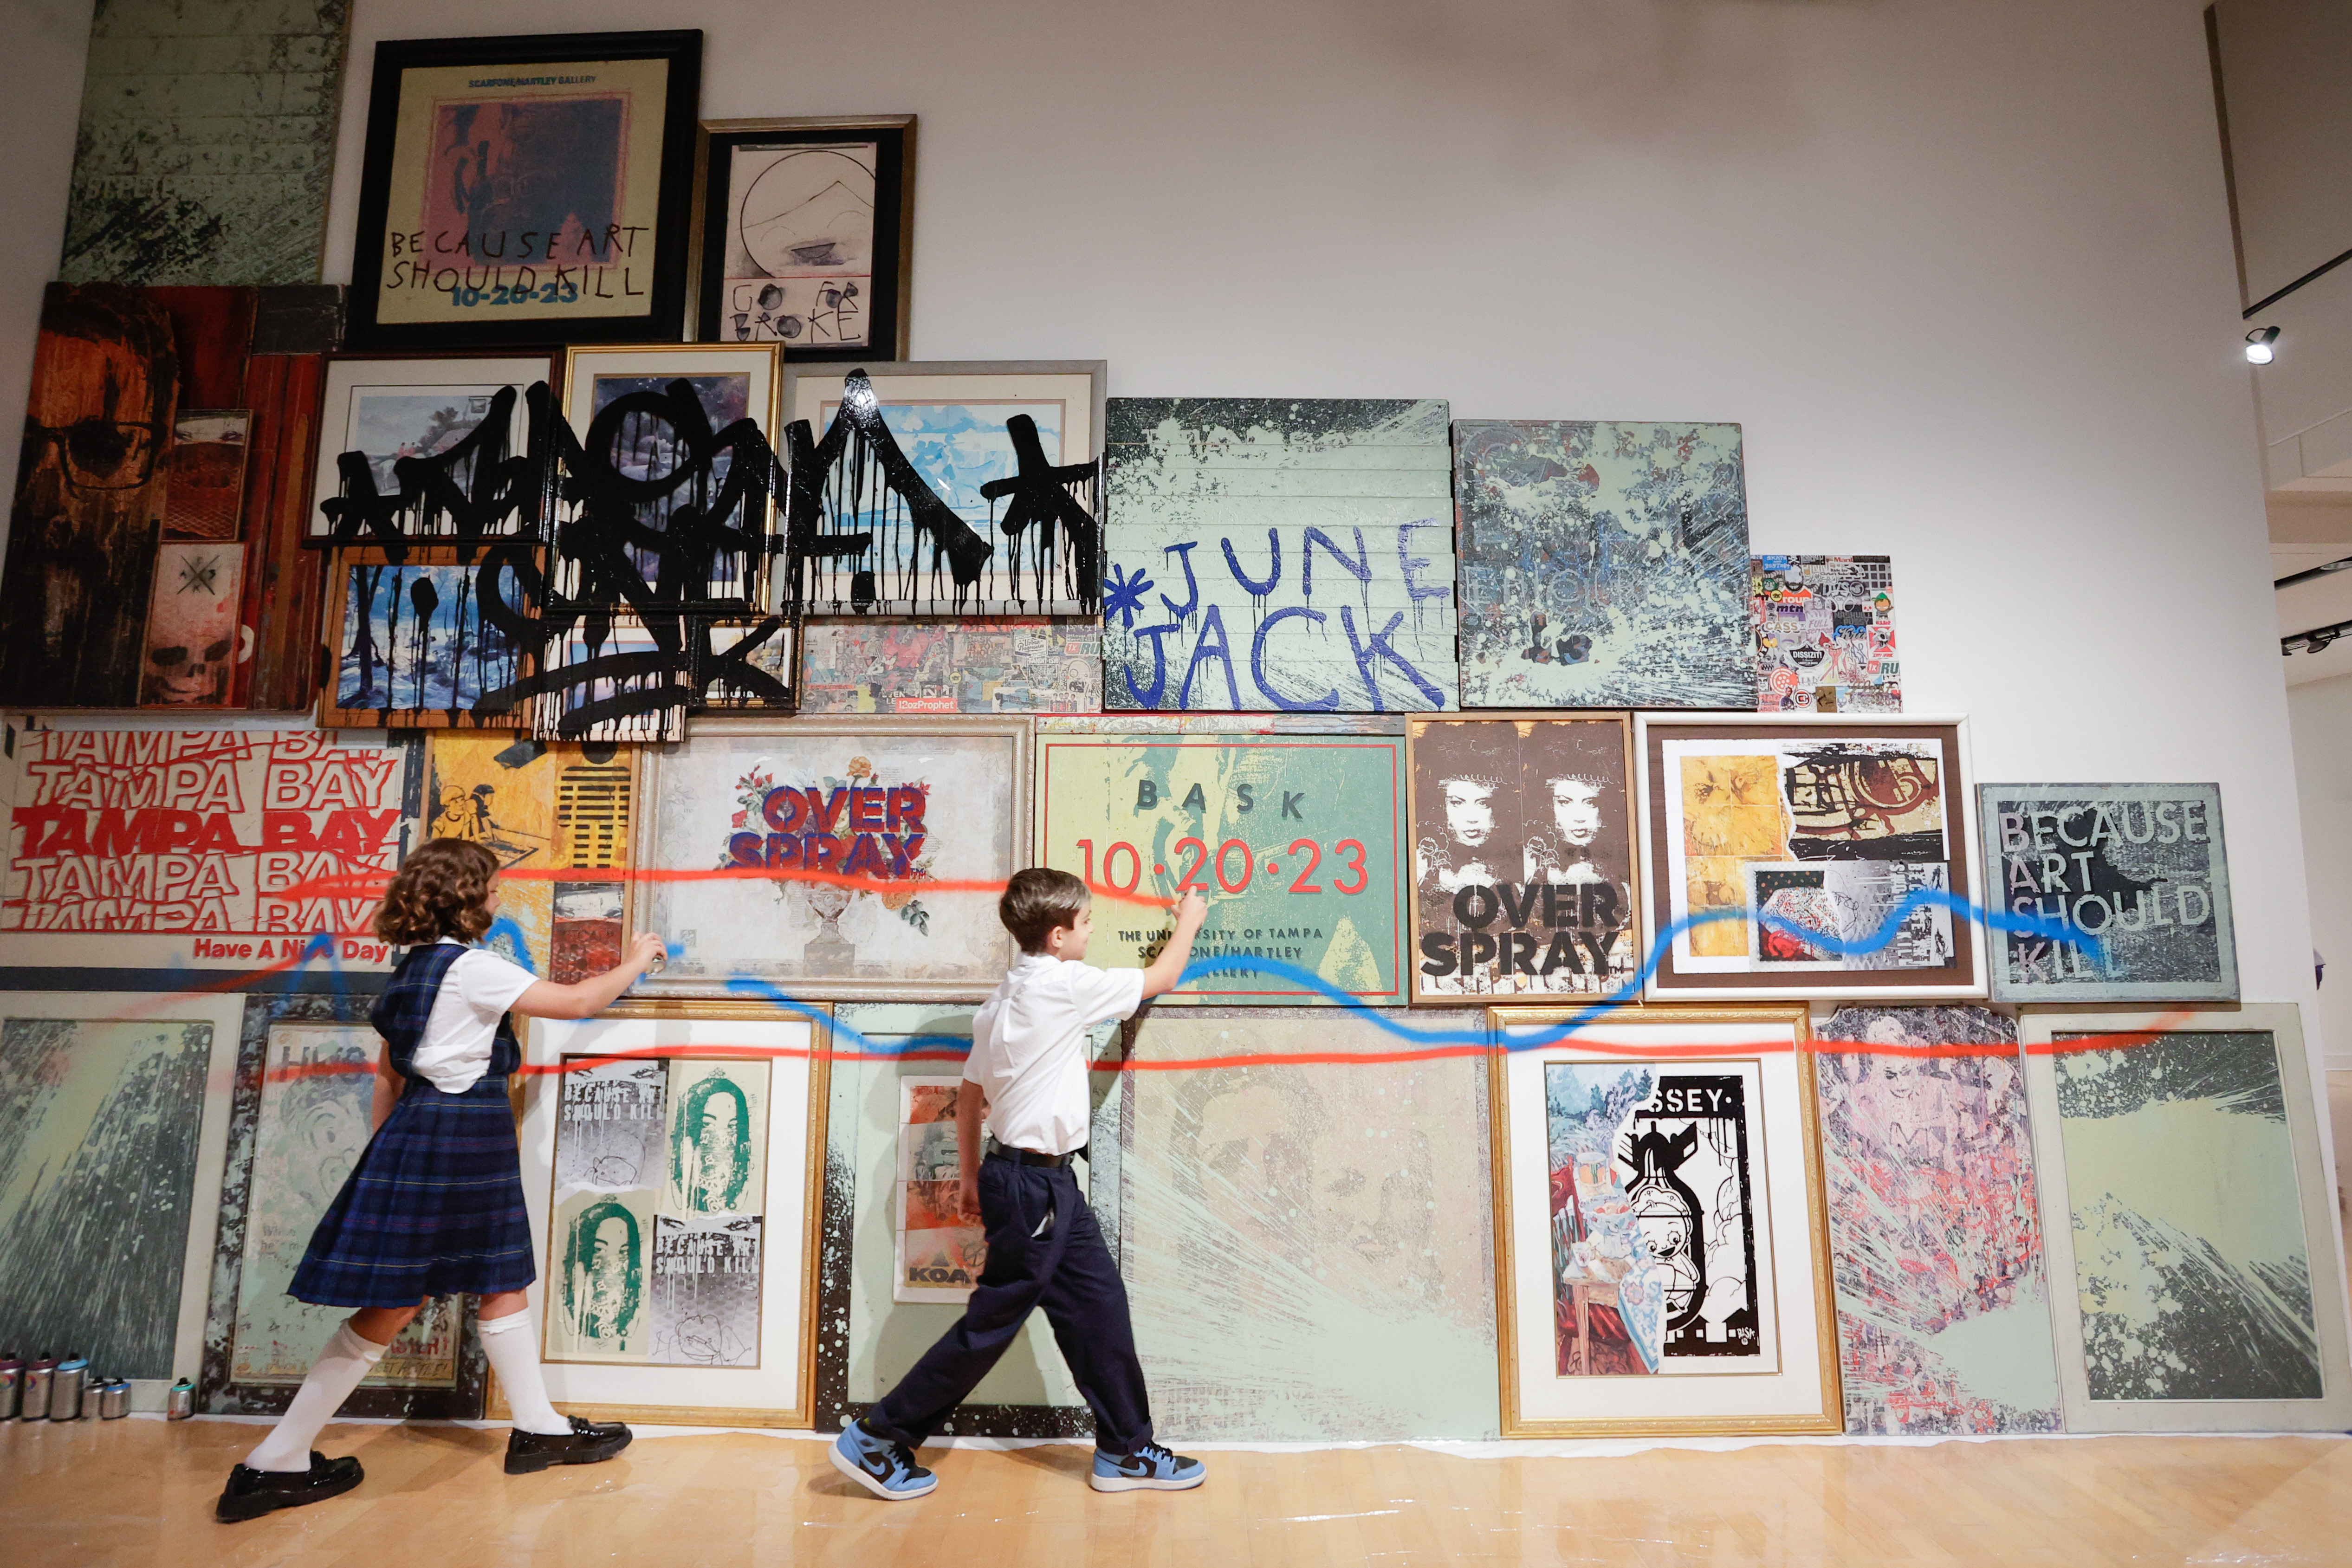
(662, 573)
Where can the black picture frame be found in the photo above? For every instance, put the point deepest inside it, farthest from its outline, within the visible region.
(889, 283)
(496, 322)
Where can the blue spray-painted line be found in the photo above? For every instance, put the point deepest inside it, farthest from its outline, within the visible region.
(1624, 995)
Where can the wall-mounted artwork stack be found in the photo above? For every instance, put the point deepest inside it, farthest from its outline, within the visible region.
(1278, 556)
(1603, 566)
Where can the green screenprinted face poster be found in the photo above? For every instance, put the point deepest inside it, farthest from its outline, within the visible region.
(1293, 840)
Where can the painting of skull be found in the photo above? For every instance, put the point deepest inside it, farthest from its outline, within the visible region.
(193, 641)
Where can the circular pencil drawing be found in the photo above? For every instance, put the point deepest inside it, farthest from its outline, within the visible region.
(810, 211)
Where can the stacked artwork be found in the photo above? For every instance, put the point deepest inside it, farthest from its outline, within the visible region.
(942, 1249)
(1219, 509)
(660, 1192)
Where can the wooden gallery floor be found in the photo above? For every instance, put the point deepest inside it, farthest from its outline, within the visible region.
(140, 1493)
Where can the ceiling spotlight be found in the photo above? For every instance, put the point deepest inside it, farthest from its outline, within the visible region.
(2258, 345)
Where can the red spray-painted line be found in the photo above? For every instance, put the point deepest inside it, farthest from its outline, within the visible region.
(371, 884)
(1710, 1050)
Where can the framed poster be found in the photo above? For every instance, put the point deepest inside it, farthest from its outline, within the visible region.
(684, 1150)
(417, 638)
(2191, 1233)
(1661, 1252)
(1603, 564)
(465, 420)
(624, 405)
(1825, 634)
(220, 850)
(526, 190)
(2140, 868)
(114, 1110)
(1365, 1311)
(833, 858)
(1523, 863)
(1807, 855)
(1225, 511)
(1297, 841)
(986, 469)
(1029, 665)
(804, 235)
(1942, 1288)
(305, 1088)
(942, 1249)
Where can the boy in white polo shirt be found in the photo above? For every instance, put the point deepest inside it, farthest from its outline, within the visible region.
(1029, 1062)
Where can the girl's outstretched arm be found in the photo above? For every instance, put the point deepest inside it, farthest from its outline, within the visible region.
(587, 998)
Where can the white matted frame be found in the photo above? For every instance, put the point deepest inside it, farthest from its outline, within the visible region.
(225, 1011)
(778, 1390)
(2042, 1027)
(1670, 981)
(430, 389)
(738, 930)
(1802, 1394)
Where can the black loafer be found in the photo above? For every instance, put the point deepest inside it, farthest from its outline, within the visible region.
(250, 1493)
(588, 1443)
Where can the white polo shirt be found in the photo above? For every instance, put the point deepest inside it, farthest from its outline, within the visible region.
(476, 989)
(1029, 1048)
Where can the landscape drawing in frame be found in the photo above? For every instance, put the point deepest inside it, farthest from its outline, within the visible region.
(804, 235)
(1807, 855)
(1603, 564)
(974, 485)
(520, 191)
(1523, 844)
(2139, 866)
(1662, 1253)
(891, 804)
(420, 641)
(2192, 1237)
(381, 408)
(678, 1285)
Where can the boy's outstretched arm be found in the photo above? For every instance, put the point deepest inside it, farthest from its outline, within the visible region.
(1169, 967)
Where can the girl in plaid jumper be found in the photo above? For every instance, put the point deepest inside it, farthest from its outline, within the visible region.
(434, 1206)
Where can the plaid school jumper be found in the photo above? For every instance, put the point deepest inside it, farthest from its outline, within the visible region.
(434, 1206)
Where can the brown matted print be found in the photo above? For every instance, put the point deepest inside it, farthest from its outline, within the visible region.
(1822, 857)
(1524, 865)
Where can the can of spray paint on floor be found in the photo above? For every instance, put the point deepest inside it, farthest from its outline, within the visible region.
(117, 1404)
(38, 1374)
(64, 1387)
(12, 1385)
(181, 1403)
(93, 1397)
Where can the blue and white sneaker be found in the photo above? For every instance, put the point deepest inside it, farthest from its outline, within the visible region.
(1149, 1468)
(886, 1469)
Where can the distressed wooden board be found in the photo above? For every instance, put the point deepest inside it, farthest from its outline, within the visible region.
(1226, 518)
(207, 141)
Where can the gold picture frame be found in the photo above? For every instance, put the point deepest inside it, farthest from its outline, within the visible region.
(543, 1049)
(1802, 1393)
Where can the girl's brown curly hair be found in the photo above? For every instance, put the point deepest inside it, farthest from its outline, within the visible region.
(442, 889)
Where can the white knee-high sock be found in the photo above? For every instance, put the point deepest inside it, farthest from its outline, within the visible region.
(513, 1351)
(348, 1358)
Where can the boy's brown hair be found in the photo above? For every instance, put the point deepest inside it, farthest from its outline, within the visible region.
(1037, 900)
(442, 890)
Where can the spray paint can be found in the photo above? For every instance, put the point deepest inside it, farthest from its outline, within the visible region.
(181, 1403)
(64, 1387)
(12, 1385)
(117, 1404)
(40, 1372)
(93, 1397)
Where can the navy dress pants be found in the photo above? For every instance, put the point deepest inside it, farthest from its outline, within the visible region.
(1069, 1271)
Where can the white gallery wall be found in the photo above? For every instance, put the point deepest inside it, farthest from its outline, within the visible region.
(1963, 273)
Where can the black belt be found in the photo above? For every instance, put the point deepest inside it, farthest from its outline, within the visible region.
(1030, 1156)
